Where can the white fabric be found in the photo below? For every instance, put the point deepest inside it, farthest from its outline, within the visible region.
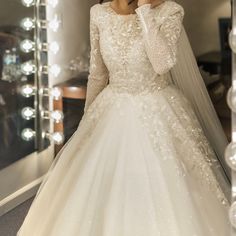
(187, 77)
(139, 163)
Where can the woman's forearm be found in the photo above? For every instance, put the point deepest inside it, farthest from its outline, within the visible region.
(160, 34)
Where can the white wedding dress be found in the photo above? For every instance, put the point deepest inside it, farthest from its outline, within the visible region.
(139, 163)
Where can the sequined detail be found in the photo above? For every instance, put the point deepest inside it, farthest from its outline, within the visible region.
(130, 56)
(119, 52)
(181, 133)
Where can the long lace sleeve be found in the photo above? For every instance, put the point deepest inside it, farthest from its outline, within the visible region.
(161, 28)
(98, 73)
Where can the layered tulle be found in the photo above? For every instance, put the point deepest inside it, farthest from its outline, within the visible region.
(137, 165)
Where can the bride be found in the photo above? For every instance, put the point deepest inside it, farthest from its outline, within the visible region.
(140, 162)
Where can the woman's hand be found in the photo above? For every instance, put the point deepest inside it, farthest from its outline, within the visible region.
(154, 3)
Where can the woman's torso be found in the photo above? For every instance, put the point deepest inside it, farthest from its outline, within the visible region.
(123, 51)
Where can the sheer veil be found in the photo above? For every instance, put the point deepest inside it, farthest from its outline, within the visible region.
(187, 77)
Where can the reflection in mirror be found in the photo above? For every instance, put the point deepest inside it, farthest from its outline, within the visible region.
(15, 109)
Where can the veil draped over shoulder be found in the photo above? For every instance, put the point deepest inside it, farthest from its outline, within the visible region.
(187, 77)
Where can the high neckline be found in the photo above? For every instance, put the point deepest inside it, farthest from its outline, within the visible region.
(114, 12)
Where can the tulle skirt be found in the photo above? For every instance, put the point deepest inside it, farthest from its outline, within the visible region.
(138, 165)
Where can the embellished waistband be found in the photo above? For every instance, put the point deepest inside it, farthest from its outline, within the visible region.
(139, 88)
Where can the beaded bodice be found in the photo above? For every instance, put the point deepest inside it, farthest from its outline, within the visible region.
(124, 53)
(132, 52)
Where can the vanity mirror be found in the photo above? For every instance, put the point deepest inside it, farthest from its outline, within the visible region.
(15, 112)
(26, 114)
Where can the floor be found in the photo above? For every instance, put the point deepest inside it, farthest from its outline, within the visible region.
(11, 221)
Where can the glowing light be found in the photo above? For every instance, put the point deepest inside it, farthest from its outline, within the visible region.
(28, 113)
(53, 3)
(27, 24)
(232, 39)
(55, 70)
(54, 47)
(230, 155)
(28, 3)
(28, 68)
(27, 46)
(57, 116)
(58, 138)
(27, 90)
(27, 134)
(54, 24)
(56, 93)
(231, 99)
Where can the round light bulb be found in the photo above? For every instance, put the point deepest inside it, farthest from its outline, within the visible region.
(57, 116)
(28, 3)
(54, 47)
(56, 93)
(27, 46)
(27, 134)
(231, 99)
(232, 40)
(54, 24)
(27, 90)
(230, 155)
(53, 3)
(27, 24)
(55, 70)
(28, 113)
(58, 137)
(28, 68)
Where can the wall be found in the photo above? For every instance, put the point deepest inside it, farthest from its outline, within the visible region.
(201, 22)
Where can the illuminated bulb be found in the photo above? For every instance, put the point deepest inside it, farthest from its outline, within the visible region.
(234, 136)
(233, 189)
(231, 99)
(27, 23)
(57, 116)
(56, 93)
(27, 90)
(54, 47)
(54, 24)
(232, 40)
(28, 3)
(55, 70)
(232, 214)
(27, 46)
(28, 113)
(58, 138)
(28, 68)
(53, 3)
(230, 155)
(27, 134)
